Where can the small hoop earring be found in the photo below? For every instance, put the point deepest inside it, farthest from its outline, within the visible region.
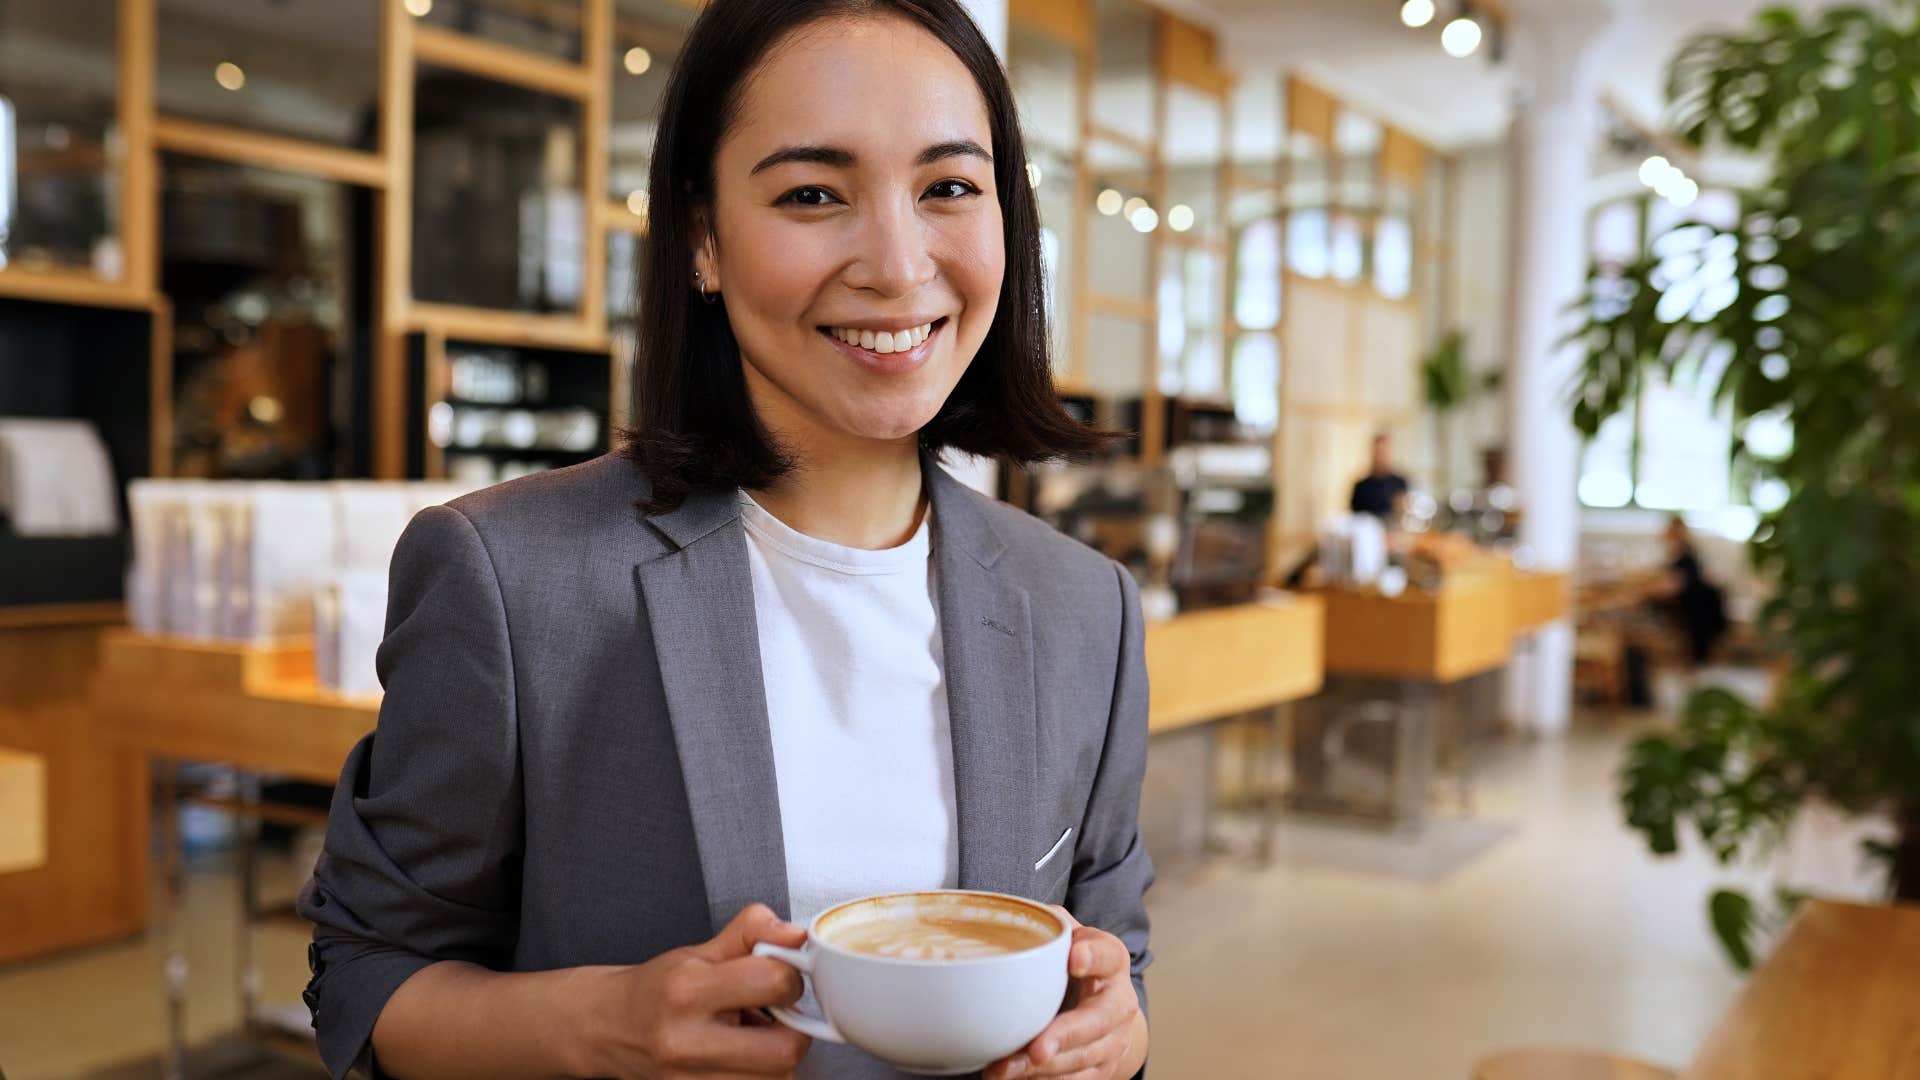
(705, 296)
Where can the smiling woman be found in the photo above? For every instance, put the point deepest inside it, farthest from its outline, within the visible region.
(821, 194)
(620, 750)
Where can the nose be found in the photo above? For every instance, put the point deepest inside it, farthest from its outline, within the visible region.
(893, 259)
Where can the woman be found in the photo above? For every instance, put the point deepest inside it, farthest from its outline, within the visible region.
(639, 711)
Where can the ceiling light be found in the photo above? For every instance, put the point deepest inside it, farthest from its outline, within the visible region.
(1460, 38)
(419, 8)
(638, 60)
(1684, 192)
(1654, 169)
(1110, 202)
(229, 75)
(1033, 174)
(1143, 219)
(1133, 206)
(1416, 13)
(1180, 217)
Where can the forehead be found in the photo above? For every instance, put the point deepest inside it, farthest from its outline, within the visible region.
(868, 81)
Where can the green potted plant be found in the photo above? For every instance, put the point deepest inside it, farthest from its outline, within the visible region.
(1804, 310)
(1450, 387)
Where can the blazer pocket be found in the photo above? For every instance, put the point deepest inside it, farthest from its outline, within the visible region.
(1050, 871)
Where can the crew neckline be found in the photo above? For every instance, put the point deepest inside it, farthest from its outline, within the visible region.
(828, 555)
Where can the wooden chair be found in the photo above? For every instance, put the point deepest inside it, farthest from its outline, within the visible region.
(1566, 1065)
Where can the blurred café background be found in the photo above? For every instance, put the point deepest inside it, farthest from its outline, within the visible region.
(275, 274)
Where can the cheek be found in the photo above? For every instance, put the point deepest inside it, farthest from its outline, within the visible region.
(771, 275)
(977, 263)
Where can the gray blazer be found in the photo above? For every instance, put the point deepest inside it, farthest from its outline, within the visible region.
(573, 765)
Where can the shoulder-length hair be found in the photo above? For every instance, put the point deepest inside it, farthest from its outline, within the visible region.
(694, 425)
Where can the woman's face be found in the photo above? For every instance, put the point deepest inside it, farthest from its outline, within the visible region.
(854, 205)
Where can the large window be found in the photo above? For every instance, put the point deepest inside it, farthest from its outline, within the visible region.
(1673, 449)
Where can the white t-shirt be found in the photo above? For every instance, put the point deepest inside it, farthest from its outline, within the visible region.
(851, 657)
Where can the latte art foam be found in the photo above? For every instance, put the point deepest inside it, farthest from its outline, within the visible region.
(936, 930)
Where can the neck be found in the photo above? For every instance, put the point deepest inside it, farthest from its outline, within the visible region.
(859, 493)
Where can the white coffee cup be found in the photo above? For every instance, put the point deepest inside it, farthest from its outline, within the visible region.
(934, 1015)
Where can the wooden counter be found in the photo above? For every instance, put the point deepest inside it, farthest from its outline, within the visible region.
(1221, 662)
(90, 884)
(1540, 597)
(1464, 629)
(23, 811)
(1838, 1000)
(254, 707)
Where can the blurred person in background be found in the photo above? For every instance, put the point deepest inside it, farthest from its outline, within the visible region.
(1383, 491)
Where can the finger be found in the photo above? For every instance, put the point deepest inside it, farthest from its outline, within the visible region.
(1089, 1059)
(751, 982)
(1072, 922)
(1079, 1063)
(774, 1051)
(1095, 1018)
(1098, 955)
(755, 923)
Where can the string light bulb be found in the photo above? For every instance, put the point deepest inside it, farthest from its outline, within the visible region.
(1417, 13)
(637, 60)
(229, 75)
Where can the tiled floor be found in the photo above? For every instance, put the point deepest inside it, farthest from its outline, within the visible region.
(1563, 933)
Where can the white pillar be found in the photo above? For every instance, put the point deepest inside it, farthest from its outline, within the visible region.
(1556, 125)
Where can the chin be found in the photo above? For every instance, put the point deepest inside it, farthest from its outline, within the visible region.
(892, 424)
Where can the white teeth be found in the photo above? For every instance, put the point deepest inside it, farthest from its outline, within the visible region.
(884, 341)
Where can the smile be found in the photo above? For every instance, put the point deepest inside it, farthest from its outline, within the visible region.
(885, 352)
(882, 341)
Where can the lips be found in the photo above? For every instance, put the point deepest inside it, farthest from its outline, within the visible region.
(906, 353)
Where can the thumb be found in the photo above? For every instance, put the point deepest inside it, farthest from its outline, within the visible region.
(755, 923)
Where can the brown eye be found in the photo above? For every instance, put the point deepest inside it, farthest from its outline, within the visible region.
(954, 189)
(807, 196)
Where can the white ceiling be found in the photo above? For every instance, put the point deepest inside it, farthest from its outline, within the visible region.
(1359, 49)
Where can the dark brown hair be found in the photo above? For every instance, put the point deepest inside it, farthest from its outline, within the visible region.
(694, 425)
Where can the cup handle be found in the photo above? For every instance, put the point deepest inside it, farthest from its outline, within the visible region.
(802, 961)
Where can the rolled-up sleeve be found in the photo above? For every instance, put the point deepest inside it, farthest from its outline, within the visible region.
(424, 837)
(1112, 872)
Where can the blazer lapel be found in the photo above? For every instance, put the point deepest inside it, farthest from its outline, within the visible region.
(986, 627)
(699, 600)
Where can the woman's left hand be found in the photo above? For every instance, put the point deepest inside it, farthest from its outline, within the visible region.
(1092, 1038)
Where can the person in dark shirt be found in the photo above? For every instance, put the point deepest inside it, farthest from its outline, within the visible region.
(1382, 492)
(1686, 596)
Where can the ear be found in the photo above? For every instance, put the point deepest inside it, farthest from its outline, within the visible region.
(706, 259)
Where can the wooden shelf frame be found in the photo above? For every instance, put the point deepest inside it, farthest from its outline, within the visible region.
(503, 63)
(282, 154)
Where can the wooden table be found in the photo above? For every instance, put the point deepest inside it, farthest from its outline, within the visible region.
(1540, 598)
(23, 811)
(1417, 650)
(1221, 662)
(1464, 628)
(1839, 999)
(1243, 664)
(255, 708)
(252, 707)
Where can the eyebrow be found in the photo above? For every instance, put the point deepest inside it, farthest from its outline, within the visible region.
(838, 158)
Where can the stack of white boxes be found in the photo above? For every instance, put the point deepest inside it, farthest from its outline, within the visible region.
(258, 562)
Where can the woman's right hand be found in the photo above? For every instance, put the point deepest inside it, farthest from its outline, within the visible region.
(691, 1012)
